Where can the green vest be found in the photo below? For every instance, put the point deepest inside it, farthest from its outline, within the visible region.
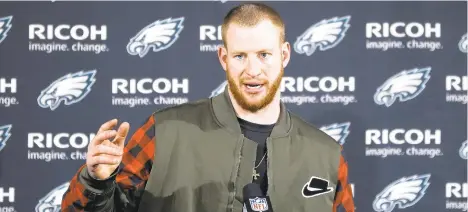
(202, 161)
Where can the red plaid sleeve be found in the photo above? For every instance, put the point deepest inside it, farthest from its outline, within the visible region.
(344, 196)
(122, 191)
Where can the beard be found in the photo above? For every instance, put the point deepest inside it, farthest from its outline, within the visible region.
(254, 105)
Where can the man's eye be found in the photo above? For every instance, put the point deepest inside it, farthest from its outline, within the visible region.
(239, 57)
(265, 55)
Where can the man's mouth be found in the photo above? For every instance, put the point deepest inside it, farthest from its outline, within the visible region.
(253, 85)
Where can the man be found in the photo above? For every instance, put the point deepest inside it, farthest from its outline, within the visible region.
(198, 156)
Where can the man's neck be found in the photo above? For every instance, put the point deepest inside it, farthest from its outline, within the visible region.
(267, 115)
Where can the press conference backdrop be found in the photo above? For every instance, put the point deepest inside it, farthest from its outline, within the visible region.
(387, 80)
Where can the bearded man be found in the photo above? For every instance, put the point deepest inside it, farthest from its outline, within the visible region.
(198, 156)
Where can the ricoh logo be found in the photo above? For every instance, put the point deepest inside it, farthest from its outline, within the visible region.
(328, 89)
(56, 38)
(162, 91)
(7, 198)
(401, 35)
(456, 195)
(403, 142)
(58, 146)
(456, 88)
(210, 38)
(8, 87)
(7, 195)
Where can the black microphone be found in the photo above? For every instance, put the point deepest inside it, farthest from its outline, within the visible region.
(254, 200)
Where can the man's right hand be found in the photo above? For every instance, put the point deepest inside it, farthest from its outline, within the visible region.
(104, 156)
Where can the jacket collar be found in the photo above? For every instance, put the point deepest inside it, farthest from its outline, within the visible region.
(226, 115)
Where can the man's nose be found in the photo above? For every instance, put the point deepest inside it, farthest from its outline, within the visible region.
(253, 68)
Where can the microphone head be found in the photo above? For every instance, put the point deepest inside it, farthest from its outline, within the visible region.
(251, 190)
(254, 200)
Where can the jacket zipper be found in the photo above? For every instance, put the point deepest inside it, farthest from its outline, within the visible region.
(232, 194)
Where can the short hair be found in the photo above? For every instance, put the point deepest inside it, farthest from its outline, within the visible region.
(251, 14)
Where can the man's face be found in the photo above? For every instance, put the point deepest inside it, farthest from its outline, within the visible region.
(254, 62)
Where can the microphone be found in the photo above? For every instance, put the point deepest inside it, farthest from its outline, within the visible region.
(254, 200)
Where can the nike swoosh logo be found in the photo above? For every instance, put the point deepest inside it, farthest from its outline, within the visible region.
(315, 187)
(312, 192)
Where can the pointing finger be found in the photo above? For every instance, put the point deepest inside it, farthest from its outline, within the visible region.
(108, 125)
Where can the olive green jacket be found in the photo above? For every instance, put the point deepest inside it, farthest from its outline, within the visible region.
(200, 161)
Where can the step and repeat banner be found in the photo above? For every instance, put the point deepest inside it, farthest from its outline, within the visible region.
(387, 80)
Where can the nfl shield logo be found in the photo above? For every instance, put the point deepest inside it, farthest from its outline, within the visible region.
(258, 204)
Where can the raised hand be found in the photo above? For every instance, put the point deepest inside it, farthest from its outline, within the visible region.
(104, 155)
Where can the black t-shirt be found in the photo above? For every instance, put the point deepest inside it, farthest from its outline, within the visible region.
(258, 133)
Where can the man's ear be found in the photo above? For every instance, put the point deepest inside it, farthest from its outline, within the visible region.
(222, 56)
(286, 53)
